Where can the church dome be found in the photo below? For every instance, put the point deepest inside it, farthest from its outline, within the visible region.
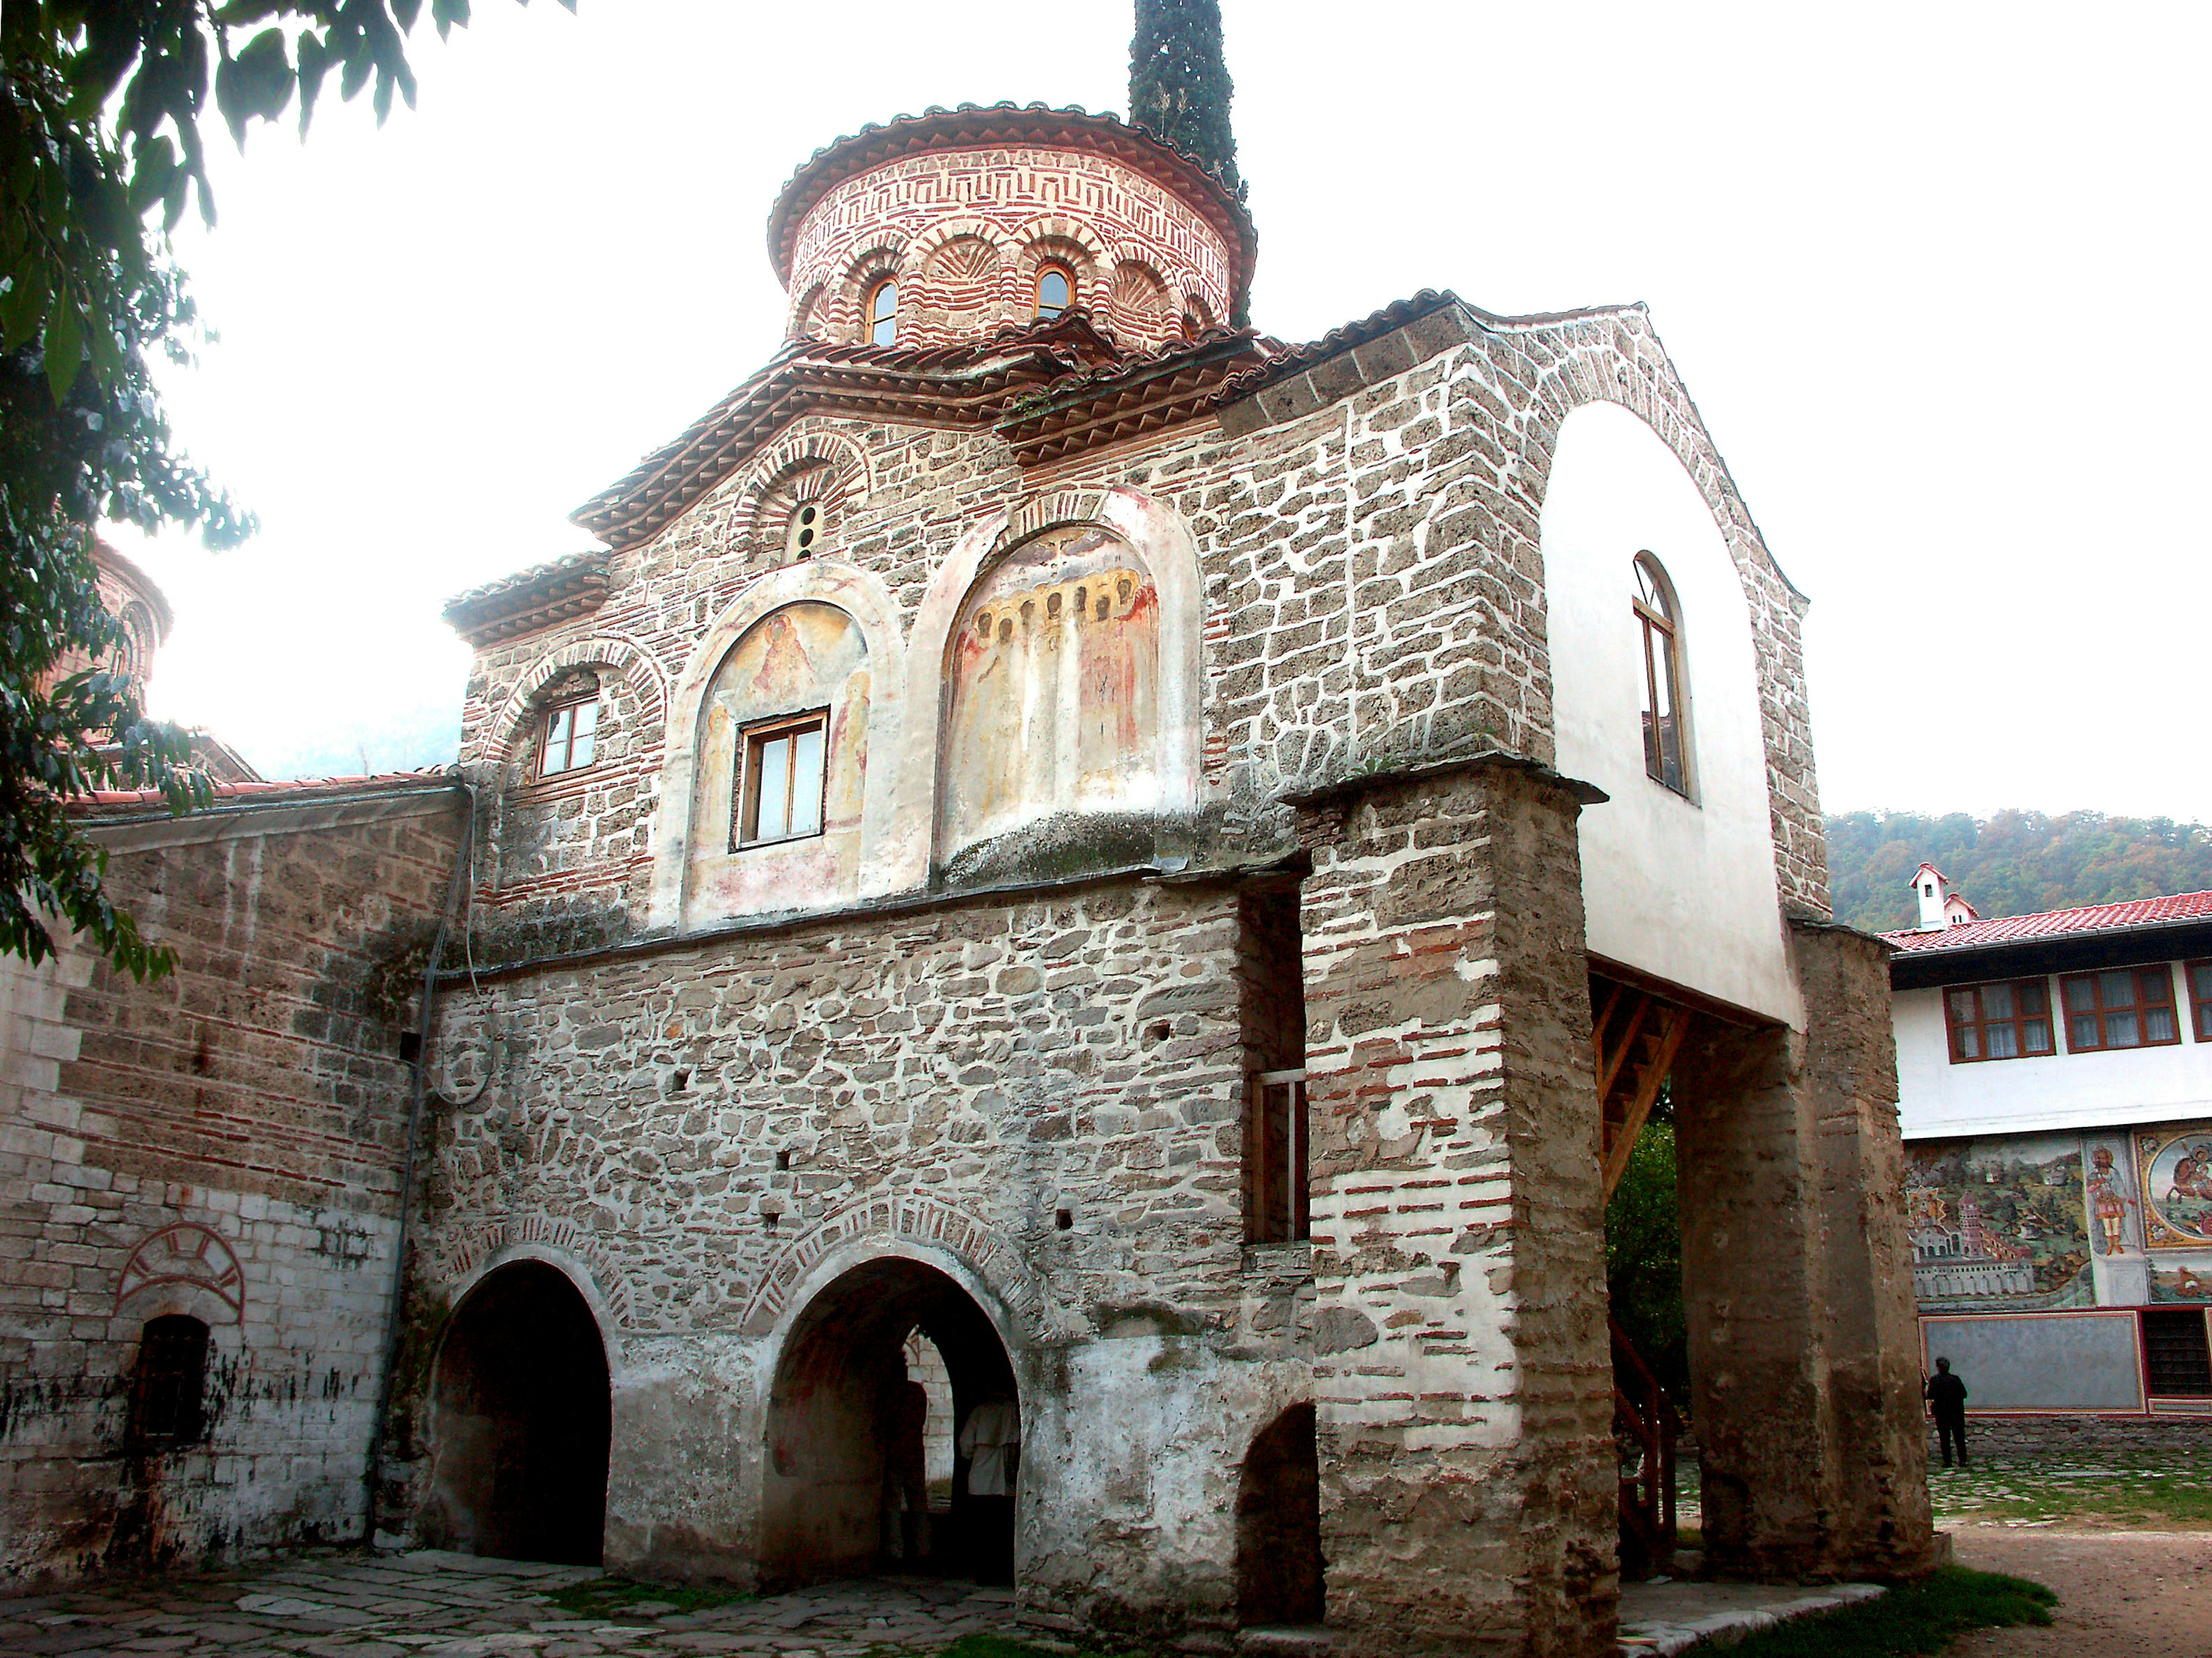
(943, 226)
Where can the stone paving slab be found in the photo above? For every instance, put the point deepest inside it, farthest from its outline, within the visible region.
(1674, 1616)
(431, 1604)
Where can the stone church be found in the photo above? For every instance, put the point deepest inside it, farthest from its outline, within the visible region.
(1039, 965)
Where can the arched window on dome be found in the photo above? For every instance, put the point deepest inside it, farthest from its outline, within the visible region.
(882, 312)
(802, 531)
(1658, 617)
(1055, 290)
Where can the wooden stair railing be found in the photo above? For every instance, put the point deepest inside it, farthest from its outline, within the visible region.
(1644, 1430)
(1635, 1035)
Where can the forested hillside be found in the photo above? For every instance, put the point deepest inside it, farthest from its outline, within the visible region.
(2012, 864)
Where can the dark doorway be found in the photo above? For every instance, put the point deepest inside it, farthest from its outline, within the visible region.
(854, 1416)
(168, 1385)
(1278, 1565)
(519, 1422)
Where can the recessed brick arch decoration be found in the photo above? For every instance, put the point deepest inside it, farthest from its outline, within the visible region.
(823, 466)
(838, 316)
(1072, 242)
(548, 1232)
(623, 666)
(187, 1253)
(1617, 358)
(908, 1219)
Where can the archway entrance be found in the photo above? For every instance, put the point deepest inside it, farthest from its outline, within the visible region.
(1279, 1565)
(519, 1422)
(890, 1370)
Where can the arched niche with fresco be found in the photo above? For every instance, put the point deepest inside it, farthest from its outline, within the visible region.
(1050, 762)
(782, 766)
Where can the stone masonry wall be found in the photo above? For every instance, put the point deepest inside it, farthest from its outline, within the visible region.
(689, 1132)
(1462, 1371)
(222, 1143)
(1373, 590)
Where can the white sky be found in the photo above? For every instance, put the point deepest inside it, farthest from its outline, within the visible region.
(1923, 267)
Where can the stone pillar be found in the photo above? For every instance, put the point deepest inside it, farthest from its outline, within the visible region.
(1462, 1380)
(1803, 1360)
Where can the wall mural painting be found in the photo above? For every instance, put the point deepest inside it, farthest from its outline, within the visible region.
(2114, 1213)
(2001, 1220)
(2176, 1281)
(1054, 677)
(2176, 1162)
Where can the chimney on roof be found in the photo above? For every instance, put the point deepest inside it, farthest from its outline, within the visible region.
(1940, 907)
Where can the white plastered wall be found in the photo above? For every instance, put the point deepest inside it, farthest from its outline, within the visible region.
(1683, 890)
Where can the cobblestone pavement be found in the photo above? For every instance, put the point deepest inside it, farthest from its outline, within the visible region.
(429, 1604)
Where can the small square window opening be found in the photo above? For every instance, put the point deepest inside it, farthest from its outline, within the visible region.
(571, 738)
(781, 796)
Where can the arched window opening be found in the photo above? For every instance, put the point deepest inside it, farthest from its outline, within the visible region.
(882, 312)
(1658, 619)
(1278, 1561)
(803, 529)
(169, 1388)
(1055, 291)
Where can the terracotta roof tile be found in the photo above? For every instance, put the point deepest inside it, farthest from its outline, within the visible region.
(273, 791)
(2057, 923)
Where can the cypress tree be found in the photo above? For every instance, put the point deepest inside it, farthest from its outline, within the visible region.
(1179, 83)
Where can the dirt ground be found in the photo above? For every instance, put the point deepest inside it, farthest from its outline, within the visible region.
(2125, 1594)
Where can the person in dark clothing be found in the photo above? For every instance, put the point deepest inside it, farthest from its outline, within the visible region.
(1947, 1399)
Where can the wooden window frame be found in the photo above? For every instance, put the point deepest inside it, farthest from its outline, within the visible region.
(1290, 1221)
(1981, 1023)
(1037, 288)
(2099, 1012)
(569, 765)
(1661, 635)
(2200, 1007)
(750, 739)
(869, 320)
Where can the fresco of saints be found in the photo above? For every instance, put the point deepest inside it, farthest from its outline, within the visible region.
(2106, 1201)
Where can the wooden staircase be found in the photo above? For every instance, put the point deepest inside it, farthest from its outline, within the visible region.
(1635, 1035)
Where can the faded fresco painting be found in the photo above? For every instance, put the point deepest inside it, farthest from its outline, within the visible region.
(2175, 1280)
(2000, 1220)
(804, 668)
(2115, 1212)
(1053, 689)
(2177, 1185)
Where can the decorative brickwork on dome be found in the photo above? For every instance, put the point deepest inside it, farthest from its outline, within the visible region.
(965, 208)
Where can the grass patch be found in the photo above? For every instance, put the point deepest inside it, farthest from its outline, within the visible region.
(618, 1597)
(2173, 1491)
(1912, 1619)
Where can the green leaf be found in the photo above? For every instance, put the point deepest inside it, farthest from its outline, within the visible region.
(64, 345)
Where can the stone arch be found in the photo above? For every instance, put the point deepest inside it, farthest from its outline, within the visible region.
(1138, 303)
(634, 666)
(519, 1420)
(183, 1261)
(805, 318)
(862, 595)
(1164, 542)
(968, 1249)
(841, 463)
(565, 1248)
(845, 1431)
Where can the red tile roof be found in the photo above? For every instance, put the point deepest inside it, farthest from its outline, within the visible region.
(2059, 923)
(272, 791)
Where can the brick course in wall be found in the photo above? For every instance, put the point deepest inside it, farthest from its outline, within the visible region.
(223, 1144)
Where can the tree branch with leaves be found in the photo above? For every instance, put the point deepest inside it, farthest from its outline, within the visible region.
(101, 106)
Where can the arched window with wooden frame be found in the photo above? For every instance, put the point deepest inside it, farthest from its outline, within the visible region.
(1658, 618)
(881, 312)
(1056, 290)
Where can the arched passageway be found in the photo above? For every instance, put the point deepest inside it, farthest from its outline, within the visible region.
(519, 1421)
(1278, 1565)
(853, 1427)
